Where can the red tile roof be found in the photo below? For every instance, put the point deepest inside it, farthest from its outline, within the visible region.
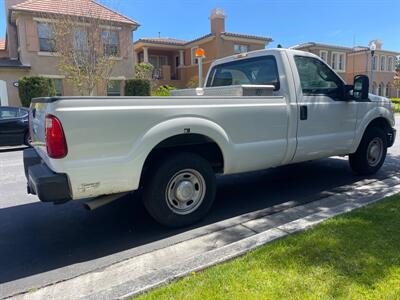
(80, 8)
(2, 44)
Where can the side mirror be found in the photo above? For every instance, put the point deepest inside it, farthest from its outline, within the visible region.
(361, 87)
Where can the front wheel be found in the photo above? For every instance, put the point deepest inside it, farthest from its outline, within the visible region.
(371, 152)
(180, 191)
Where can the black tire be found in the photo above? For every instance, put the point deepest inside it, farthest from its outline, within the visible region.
(158, 186)
(27, 139)
(360, 161)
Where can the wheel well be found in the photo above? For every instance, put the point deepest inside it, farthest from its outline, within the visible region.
(193, 143)
(380, 123)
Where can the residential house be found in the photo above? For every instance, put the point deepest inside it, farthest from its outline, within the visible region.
(174, 60)
(351, 61)
(28, 47)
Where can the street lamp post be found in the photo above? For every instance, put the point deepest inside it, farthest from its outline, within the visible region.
(200, 55)
(372, 48)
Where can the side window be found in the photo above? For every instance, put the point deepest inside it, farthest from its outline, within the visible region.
(8, 113)
(22, 112)
(261, 70)
(316, 78)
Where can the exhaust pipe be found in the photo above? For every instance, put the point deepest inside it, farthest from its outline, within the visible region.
(102, 200)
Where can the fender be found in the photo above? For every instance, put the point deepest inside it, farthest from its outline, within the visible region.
(377, 112)
(164, 130)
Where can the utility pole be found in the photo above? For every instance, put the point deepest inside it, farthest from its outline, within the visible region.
(372, 48)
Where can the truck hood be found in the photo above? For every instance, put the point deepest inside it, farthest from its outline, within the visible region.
(376, 98)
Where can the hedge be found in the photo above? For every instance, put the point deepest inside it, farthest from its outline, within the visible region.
(137, 87)
(34, 87)
(164, 90)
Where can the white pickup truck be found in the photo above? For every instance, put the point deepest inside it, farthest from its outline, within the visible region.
(292, 108)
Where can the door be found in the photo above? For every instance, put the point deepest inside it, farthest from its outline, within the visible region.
(3, 93)
(13, 126)
(326, 121)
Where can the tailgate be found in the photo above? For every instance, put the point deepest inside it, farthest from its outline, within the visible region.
(37, 117)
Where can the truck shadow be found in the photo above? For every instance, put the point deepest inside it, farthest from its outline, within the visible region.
(37, 237)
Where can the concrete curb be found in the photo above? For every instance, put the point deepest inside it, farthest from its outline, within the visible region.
(150, 270)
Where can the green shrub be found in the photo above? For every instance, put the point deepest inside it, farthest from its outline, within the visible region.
(34, 87)
(395, 100)
(137, 87)
(163, 90)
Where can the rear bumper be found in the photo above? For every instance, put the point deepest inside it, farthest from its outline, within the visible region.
(391, 137)
(43, 182)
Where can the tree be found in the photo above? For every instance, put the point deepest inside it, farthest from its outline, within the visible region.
(87, 48)
(396, 81)
(144, 71)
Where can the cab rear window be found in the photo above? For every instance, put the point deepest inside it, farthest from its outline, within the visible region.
(261, 70)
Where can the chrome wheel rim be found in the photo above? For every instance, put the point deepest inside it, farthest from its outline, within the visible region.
(375, 152)
(185, 191)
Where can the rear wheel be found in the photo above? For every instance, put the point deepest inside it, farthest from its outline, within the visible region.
(27, 139)
(371, 153)
(180, 191)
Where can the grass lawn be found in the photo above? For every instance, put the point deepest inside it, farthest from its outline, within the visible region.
(353, 256)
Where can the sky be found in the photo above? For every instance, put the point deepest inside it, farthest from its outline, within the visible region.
(287, 22)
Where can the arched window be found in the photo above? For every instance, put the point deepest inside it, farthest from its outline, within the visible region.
(390, 64)
(380, 89)
(387, 92)
(375, 63)
(383, 63)
(374, 88)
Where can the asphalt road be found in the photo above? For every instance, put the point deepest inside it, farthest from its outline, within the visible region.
(44, 243)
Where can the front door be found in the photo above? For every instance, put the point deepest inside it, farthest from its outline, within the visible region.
(326, 124)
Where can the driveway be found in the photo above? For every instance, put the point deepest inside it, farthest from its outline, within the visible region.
(44, 243)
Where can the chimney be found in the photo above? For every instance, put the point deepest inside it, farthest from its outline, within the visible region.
(378, 44)
(217, 19)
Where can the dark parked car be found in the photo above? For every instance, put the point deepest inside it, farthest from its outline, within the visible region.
(14, 126)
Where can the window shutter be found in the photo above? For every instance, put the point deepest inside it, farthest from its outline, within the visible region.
(32, 40)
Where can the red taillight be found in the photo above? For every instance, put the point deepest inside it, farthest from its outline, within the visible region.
(55, 138)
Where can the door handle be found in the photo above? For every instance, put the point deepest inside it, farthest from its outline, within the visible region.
(303, 112)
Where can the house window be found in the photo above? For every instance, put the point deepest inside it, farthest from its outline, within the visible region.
(338, 61)
(240, 48)
(114, 88)
(80, 39)
(387, 93)
(390, 64)
(383, 63)
(46, 37)
(380, 89)
(58, 84)
(375, 63)
(110, 41)
(324, 55)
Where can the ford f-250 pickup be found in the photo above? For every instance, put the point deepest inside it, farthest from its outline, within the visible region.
(284, 106)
